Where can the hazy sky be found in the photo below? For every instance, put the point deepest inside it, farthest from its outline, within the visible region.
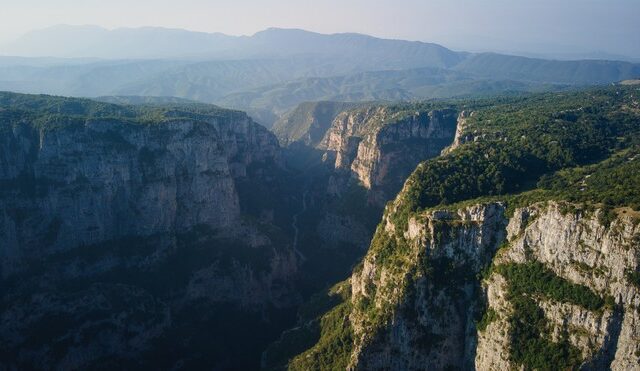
(569, 26)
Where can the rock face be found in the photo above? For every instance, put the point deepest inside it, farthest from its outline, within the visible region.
(577, 247)
(105, 180)
(426, 300)
(119, 236)
(308, 122)
(420, 309)
(460, 136)
(380, 146)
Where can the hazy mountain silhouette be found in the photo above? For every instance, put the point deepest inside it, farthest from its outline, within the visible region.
(273, 70)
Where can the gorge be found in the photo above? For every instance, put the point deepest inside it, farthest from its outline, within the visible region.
(184, 235)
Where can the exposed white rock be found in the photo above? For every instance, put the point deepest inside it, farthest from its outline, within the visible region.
(460, 136)
(576, 246)
(442, 323)
(380, 148)
(421, 309)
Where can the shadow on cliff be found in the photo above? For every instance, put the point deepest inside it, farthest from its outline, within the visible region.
(605, 356)
(335, 221)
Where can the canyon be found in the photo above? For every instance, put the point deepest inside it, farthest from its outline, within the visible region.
(542, 278)
(126, 221)
(183, 235)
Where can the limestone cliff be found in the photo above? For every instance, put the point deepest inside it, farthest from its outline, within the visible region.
(104, 179)
(421, 310)
(415, 309)
(576, 246)
(125, 228)
(309, 121)
(443, 291)
(460, 136)
(380, 145)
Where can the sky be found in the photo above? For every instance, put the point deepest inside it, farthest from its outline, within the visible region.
(531, 26)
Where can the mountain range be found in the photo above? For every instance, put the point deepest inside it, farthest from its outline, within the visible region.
(272, 71)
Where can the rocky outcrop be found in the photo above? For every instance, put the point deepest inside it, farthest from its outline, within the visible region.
(103, 180)
(380, 146)
(308, 122)
(435, 294)
(461, 136)
(576, 246)
(120, 235)
(424, 300)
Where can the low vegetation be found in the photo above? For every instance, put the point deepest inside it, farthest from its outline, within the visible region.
(535, 279)
(531, 344)
(46, 112)
(333, 346)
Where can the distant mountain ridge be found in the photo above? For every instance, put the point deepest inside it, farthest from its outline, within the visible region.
(272, 71)
(143, 100)
(542, 70)
(156, 42)
(389, 85)
(66, 41)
